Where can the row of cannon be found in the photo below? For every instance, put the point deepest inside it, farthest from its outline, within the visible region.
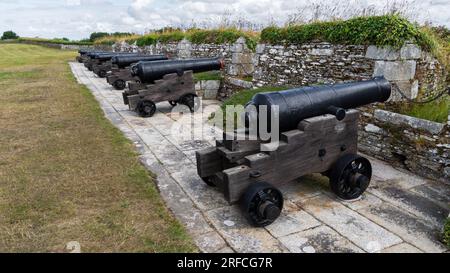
(150, 78)
(316, 129)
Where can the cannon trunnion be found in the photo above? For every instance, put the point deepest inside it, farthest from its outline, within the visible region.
(323, 140)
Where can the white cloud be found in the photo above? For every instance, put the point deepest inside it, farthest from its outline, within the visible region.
(78, 18)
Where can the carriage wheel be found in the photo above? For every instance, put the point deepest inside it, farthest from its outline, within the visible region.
(120, 84)
(209, 181)
(350, 176)
(146, 108)
(262, 204)
(191, 101)
(173, 103)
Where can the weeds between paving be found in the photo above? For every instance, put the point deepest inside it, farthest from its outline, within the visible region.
(66, 174)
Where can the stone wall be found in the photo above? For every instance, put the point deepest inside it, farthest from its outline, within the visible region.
(310, 64)
(418, 145)
(412, 70)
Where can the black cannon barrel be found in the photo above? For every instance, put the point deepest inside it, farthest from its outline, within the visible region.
(109, 56)
(151, 71)
(94, 53)
(298, 104)
(124, 61)
(84, 51)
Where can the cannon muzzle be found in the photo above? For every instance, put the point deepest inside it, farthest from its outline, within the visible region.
(124, 61)
(298, 104)
(148, 72)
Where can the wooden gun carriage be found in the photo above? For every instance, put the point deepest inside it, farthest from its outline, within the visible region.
(118, 77)
(324, 141)
(171, 81)
(173, 88)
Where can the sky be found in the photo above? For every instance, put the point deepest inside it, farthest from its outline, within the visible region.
(76, 19)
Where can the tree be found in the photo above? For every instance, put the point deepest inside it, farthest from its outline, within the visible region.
(9, 35)
(97, 35)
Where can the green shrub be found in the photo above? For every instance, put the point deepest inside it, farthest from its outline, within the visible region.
(174, 36)
(97, 35)
(446, 235)
(149, 39)
(221, 36)
(198, 36)
(386, 30)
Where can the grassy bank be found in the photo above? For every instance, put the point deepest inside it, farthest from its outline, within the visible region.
(446, 235)
(66, 173)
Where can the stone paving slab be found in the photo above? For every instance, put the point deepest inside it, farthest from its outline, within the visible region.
(318, 240)
(358, 229)
(231, 224)
(406, 226)
(400, 212)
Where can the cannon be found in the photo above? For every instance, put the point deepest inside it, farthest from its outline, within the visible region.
(170, 81)
(82, 53)
(103, 62)
(318, 134)
(85, 55)
(90, 58)
(121, 69)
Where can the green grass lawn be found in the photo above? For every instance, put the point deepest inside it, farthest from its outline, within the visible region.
(208, 76)
(66, 173)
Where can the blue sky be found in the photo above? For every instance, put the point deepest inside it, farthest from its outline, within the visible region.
(76, 19)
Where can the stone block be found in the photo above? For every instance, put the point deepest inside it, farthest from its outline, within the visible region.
(321, 51)
(242, 58)
(233, 70)
(211, 85)
(198, 86)
(374, 129)
(241, 83)
(395, 71)
(382, 53)
(416, 123)
(210, 94)
(237, 48)
(410, 89)
(410, 52)
(260, 48)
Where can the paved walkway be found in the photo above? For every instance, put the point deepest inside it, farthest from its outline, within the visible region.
(400, 212)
